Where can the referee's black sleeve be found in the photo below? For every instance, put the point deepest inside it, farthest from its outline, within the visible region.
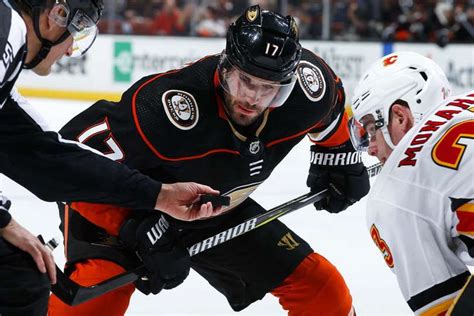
(57, 170)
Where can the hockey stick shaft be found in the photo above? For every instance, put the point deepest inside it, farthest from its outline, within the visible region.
(270, 215)
(73, 294)
(256, 221)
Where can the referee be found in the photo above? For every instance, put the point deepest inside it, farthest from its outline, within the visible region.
(34, 34)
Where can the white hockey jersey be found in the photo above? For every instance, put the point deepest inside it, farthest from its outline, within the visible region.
(420, 211)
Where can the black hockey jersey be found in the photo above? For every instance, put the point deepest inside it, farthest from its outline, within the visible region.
(173, 127)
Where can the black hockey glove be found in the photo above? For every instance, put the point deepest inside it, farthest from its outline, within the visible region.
(167, 261)
(341, 171)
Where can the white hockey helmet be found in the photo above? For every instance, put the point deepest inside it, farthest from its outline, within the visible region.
(405, 76)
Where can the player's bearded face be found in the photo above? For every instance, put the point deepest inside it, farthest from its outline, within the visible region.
(250, 97)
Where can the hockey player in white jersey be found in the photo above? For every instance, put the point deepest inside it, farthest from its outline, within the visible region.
(420, 211)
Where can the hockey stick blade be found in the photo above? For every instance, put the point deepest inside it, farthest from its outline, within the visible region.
(73, 294)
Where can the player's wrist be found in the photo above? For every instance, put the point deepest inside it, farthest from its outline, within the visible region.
(163, 197)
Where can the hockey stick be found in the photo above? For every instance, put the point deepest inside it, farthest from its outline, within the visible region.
(257, 221)
(463, 303)
(270, 215)
(73, 294)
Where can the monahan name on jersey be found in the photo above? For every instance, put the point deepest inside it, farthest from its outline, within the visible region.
(439, 118)
(420, 209)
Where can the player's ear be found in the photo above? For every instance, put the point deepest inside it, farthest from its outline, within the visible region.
(401, 117)
(54, 17)
(45, 23)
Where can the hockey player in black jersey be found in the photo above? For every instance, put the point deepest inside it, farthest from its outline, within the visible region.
(34, 34)
(226, 120)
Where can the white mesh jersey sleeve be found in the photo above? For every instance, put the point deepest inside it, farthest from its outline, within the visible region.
(411, 213)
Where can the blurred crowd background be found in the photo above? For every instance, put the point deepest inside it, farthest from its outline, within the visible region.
(439, 21)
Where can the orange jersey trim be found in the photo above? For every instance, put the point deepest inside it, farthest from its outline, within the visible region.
(440, 309)
(108, 217)
(465, 215)
(66, 228)
(340, 136)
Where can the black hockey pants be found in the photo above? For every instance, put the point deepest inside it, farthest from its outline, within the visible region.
(24, 290)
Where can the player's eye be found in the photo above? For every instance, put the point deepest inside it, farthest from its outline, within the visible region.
(245, 79)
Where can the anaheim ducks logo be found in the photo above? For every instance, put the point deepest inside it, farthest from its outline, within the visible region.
(311, 81)
(252, 13)
(181, 109)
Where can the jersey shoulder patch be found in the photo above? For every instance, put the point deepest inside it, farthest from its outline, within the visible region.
(181, 108)
(311, 80)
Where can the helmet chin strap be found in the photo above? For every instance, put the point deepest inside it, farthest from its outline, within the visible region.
(46, 45)
(386, 136)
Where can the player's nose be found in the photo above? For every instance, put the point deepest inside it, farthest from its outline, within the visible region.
(252, 97)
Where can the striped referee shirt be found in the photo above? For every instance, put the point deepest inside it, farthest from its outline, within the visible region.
(12, 48)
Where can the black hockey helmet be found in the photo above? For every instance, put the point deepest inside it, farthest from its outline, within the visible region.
(79, 17)
(264, 44)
